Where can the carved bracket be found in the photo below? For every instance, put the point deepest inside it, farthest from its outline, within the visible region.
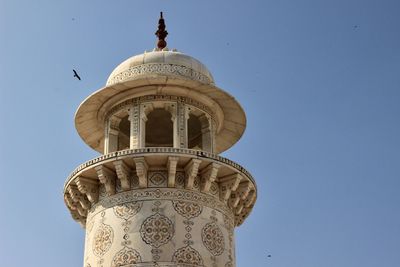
(78, 197)
(106, 177)
(228, 184)
(141, 171)
(191, 170)
(171, 166)
(208, 176)
(89, 187)
(123, 171)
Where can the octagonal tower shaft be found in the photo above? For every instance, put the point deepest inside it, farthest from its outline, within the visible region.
(160, 195)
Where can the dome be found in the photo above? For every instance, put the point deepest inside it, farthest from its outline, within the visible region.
(165, 62)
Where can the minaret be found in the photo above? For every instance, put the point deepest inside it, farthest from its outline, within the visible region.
(159, 195)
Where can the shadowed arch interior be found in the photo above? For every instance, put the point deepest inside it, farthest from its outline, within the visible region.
(159, 129)
(124, 133)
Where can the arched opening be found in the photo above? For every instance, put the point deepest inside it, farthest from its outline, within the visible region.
(159, 129)
(194, 133)
(124, 133)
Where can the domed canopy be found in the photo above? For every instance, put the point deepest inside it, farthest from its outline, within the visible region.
(161, 73)
(170, 63)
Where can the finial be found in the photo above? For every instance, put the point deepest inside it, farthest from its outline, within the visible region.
(161, 33)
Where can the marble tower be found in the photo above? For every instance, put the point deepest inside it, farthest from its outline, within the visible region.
(159, 194)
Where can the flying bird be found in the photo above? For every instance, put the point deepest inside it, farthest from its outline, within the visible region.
(269, 256)
(76, 75)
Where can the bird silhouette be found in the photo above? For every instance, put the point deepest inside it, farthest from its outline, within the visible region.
(76, 75)
(269, 256)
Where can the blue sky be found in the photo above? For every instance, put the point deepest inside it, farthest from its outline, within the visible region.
(320, 84)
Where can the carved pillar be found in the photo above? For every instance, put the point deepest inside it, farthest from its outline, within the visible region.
(182, 114)
(144, 110)
(106, 136)
(172, 108)
(134, 123)
(213, 134)
(113, 130)
(206, 141)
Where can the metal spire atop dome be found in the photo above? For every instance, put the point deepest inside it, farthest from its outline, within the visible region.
(161, 33)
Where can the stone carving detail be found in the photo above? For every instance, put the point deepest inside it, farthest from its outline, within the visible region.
(162, 193)
(213, 239)
(125, 257)
(229, 264)
(157, 230)
(103, 239)
(168, 69)
(157, 179)
(214, 190)
(102, 192)
(180, 179)
(188, 210)
(127, 210)
(187, 255)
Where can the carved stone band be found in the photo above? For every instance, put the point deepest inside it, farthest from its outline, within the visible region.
(159, 68)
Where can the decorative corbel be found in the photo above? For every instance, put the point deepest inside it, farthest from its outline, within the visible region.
(141, 171)
(88, 186)
(77, 196)
(228, 184)
(208, 176)
(240, 193)
(250, 199)
(191, 170)
(70, 203)
(171, 166)
(123, 172)
(106, 177)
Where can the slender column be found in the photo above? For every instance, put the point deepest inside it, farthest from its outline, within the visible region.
(206, 141)
(182, 114)
(113, 131)
(106, 136)
(134, 123)
(213, 134)
(144, 110)
(172, 108)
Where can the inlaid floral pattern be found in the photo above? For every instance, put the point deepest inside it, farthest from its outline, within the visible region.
(213, 239)
(103, 239)
(126, 256)
(187, 255)
(127, 210)
(157, 230)
(188, 210)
